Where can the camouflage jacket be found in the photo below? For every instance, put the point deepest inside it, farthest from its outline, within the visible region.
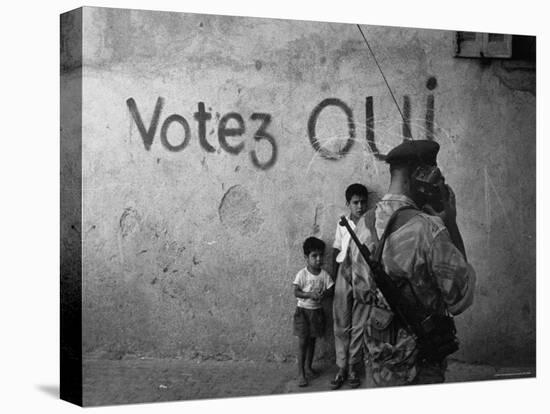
(422, 251)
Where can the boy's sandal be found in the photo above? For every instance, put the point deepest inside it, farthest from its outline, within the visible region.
(337, 382)
(302, 382)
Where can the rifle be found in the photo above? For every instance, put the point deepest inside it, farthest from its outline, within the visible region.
(434, 334)
(382, 280)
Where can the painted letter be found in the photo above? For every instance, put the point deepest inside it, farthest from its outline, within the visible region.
(369, 121)
(147, 135)
(430, 117)
(407, 134)
(261, 134)
(201, 116)
(224, 132)
(164, 130)
(312, 123)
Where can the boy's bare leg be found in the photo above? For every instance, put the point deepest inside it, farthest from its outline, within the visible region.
(303, 345)
(310, 353)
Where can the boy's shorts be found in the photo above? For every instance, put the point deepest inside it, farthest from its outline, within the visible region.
(309, 322)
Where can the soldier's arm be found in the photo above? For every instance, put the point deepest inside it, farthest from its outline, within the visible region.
(448, 216)
(454, 275)
(456, 238)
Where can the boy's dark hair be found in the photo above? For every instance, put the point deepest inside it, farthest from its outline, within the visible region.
(356, 189)
(313, 244)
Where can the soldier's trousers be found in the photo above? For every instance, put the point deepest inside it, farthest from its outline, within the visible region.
(349, 320)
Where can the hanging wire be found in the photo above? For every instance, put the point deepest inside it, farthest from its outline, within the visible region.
(386, 81)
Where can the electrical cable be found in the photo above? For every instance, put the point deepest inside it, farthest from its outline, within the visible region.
(386, 81)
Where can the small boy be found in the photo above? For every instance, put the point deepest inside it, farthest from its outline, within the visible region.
(311, 285)
(349, 310)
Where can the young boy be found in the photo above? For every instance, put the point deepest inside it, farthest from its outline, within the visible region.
(311, 285)
(349, 312)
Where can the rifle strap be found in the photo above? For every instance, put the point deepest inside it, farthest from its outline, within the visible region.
(398, 219)
(370, 221)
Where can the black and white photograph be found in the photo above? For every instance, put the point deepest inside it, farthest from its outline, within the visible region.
(308, 208)
(206, 160)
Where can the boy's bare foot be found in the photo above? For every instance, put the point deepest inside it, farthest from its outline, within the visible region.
(313, 373)
(302, 382)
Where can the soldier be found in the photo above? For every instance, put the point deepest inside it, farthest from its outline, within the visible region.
(427, 250)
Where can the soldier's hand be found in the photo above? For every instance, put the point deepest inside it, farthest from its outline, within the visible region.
(449, 204)
(448, 215)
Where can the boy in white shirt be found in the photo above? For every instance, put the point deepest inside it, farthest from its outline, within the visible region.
(349, 314)
(311, 285)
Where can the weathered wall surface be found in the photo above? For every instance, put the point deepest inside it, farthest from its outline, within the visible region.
(70, 178)
(200, 180)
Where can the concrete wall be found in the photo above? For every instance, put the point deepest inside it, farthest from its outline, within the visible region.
(193, 219)
(70, 169)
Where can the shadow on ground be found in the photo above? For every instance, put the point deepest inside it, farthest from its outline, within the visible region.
(51, 390)
(139, 380)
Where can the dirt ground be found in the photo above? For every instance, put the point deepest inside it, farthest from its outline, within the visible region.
(139, 380)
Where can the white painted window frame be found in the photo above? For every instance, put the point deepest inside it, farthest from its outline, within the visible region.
(482, 47)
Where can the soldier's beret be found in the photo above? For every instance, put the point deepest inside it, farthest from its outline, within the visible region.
(422, 151)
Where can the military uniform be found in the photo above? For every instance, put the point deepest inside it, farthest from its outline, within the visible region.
(421, 251)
